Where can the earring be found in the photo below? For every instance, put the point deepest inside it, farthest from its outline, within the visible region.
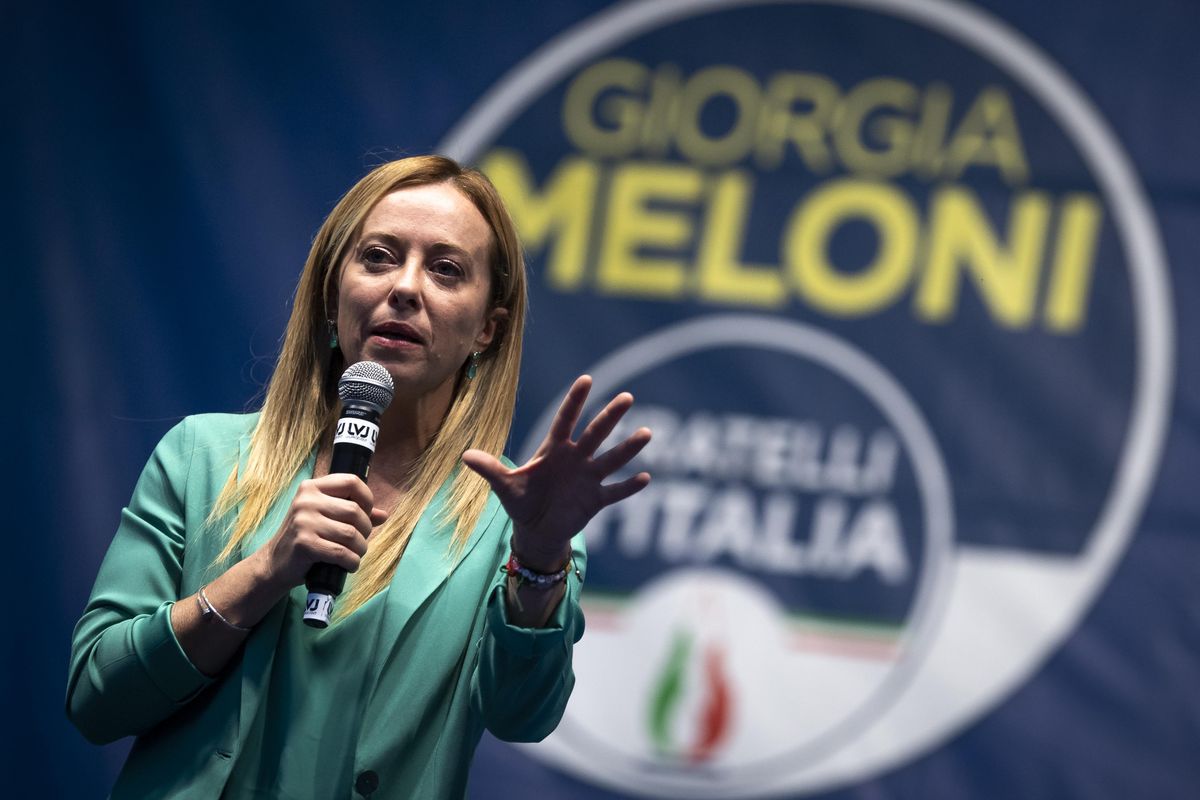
(333, 340)
(473, 364)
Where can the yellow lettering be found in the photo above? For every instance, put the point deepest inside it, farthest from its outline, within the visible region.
(961, 239)
(988, 135)
(812, 225)
(633, 223)
(562, 210)
(1074, 254)
(782, 122)
(662, 111)
(739, 86)
(931, 132)
(603, 93)
(892, 131)
(720, 274)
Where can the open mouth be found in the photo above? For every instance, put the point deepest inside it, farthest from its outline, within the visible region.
(397, 333)
(396, 337)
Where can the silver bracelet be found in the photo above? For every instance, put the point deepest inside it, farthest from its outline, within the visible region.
(207, 611)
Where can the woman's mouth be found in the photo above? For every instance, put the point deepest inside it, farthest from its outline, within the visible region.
(396, 333)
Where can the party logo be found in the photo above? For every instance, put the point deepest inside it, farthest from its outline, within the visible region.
(891, 299)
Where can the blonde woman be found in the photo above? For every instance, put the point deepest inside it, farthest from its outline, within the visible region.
(462, 607)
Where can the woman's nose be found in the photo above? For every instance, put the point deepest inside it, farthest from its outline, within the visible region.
(406, 285)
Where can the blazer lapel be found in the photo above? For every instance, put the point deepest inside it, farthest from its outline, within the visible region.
(427, 562)
(429, 559)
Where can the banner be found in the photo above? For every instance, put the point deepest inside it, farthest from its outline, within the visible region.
(859, 287)
(903, 288)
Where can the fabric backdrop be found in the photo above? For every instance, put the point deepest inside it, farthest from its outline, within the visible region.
(905, 288)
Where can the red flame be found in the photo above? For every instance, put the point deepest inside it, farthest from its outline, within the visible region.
(714, 719)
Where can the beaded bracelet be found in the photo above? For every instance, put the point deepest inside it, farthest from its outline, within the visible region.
(207, 610)
(536, 580)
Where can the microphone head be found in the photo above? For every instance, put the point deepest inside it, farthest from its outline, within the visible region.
(366, 383)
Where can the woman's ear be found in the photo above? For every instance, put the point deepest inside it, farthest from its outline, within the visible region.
(493, 326)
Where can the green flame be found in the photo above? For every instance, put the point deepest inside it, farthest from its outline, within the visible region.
(668, 691)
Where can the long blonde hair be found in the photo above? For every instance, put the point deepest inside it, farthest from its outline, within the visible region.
(301, 401)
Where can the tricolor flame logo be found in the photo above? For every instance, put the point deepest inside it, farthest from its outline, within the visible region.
(711, 725)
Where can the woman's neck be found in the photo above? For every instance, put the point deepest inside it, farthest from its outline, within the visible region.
(405, 431)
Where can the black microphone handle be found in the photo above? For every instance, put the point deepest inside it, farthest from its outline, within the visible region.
(352, 458)
(326, 581)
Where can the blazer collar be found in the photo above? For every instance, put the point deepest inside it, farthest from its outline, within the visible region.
(429, 559)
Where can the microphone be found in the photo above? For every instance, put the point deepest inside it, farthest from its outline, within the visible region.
(366, 390)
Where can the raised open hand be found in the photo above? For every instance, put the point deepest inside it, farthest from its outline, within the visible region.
(552, 496)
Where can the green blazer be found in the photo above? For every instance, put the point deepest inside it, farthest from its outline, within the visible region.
(449, 663)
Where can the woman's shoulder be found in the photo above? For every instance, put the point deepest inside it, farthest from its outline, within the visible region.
(206, 435)
(215, 427)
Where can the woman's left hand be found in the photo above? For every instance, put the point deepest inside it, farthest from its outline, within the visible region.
(556, 493)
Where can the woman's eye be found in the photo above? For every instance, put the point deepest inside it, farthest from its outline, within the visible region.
(447, 268)
(376, 256)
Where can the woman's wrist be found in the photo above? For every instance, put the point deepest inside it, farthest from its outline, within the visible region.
(265, 581)
(540, 559)
(247, 590)
(530, 606)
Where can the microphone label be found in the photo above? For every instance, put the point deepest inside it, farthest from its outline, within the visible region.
(318, 608)
(356, 431)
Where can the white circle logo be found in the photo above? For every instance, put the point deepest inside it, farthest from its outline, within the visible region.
(756, 676)
(896, 309)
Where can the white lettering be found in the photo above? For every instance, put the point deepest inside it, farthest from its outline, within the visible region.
(767, 453)
(689, 521)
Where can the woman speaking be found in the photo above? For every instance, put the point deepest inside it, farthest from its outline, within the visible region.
(461, 609)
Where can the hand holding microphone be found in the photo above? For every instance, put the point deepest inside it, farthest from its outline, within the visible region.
(325, 533)
(366, 391)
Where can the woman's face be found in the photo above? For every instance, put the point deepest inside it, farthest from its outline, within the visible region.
(414, 288)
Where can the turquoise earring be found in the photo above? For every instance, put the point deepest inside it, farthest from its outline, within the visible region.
(333, 340)
(473, 365)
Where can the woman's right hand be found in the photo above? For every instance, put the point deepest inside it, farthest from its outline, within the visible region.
(328, 522)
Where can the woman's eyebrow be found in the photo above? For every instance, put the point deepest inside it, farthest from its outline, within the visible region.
(382, 236)
(444, 248)
(437, 248)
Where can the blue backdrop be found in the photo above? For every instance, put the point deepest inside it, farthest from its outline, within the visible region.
(168, 166)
